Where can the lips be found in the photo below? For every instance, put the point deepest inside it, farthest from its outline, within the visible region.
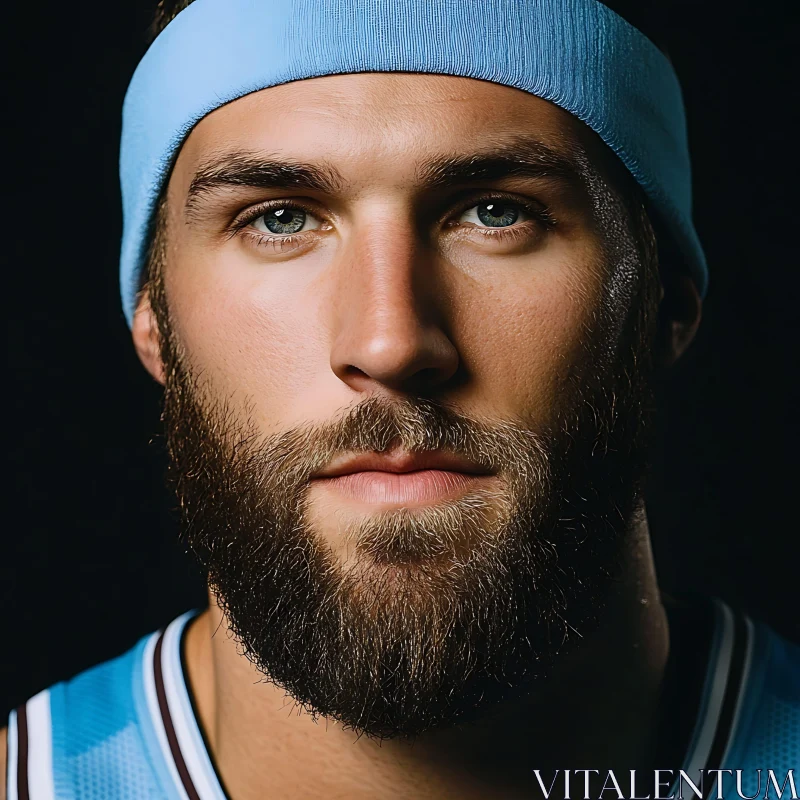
(400, 462)
(401, 478)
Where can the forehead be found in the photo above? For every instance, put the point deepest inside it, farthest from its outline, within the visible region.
(393, 120)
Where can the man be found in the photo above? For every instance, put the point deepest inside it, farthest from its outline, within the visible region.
(408, 273)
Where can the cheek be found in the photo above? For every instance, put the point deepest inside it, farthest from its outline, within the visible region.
(531, 341)
(242, 330)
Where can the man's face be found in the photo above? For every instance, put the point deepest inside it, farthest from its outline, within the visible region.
(402, 263)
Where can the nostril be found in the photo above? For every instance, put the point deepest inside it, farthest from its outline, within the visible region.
(423, 376)
(355, 372)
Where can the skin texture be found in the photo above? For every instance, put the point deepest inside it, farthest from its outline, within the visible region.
(389, 303)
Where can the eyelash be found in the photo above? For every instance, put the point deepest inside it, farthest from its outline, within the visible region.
(277, 241)
(540, 212)
(537, 211)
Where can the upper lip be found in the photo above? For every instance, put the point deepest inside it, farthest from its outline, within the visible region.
(401, 461)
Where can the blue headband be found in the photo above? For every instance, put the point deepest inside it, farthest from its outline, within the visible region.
(578, 54)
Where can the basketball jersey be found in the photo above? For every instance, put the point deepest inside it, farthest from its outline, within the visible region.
(127, 729)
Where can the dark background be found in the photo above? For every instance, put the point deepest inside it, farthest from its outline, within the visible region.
(89, 555)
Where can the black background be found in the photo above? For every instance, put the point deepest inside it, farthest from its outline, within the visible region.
(89, 558)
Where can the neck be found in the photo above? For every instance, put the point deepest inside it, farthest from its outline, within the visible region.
(598, 711)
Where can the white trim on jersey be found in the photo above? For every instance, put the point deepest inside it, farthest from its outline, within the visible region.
(11, 762)
(155, 713)
(187, 732)
(705, 738)
(40, 748)
(743, 683)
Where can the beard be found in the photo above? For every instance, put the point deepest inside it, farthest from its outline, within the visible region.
(439, 613)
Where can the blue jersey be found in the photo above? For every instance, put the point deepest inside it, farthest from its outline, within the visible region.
(127, 729)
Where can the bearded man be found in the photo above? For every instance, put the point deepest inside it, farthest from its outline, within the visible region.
(408, 272)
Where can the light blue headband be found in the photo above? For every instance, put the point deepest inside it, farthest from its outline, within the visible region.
(578, 54)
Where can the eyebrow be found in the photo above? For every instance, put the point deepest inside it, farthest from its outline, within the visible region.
(521, 157)
(515, 157)
(248, 170)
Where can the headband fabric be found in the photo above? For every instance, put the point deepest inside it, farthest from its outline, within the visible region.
(578, 54)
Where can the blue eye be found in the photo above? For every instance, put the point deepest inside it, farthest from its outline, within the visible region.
(497, 215)
(283, 220)
(494, 214)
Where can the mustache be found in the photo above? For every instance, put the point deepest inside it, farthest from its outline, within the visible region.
(375, 424)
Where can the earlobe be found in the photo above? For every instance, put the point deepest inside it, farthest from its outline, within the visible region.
(680, 314)
(145, 338)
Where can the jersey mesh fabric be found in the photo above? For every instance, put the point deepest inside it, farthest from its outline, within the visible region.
(99, 736)
(768, 736)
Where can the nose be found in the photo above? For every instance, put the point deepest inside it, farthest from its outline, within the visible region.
(390, 326)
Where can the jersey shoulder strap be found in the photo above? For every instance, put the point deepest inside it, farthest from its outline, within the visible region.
(98, 735)
(748, 721)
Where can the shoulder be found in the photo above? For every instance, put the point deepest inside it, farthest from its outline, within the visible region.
(85, 732)
(102, 733)
(767, 716)
(747, 714)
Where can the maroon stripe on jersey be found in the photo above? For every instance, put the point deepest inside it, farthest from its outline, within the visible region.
(169, 728)
(22, 753)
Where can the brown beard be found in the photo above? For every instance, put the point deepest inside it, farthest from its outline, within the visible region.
(443, 611)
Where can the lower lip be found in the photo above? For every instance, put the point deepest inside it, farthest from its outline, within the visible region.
(421, 486)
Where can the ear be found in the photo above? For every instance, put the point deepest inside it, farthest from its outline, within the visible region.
(679, 318)
(145, 338)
